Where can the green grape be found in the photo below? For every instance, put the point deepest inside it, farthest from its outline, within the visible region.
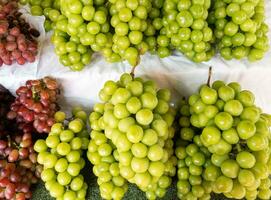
(223, 121)
(210, 136)
(230, 168)
(245, 159)
(208, 95)
(223, 184)
(246, 178)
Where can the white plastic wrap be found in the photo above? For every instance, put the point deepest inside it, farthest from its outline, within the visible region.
(176, 72)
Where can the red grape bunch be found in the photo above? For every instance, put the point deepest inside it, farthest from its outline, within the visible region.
(35, 105)
(17, 38)
(18, 166)
(61, 155)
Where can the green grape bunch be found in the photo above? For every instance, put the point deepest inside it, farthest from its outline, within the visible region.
(195, 171)
(196, 174)
(123, 30)
(89, 22)
(104, 157)
(240, 29)
(236, 133)
(185, 28)
(138, 121)
(132, 24)
(61, 153)
(81, 28)
(48, 8)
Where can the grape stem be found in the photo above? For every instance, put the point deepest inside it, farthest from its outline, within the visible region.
(209, 76)
(12, 143)
(34, 94)
(232, 155)
(238, 147)
(9, 141)
(132, 73)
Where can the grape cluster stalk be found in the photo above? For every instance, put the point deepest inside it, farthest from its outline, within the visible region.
(35, 105)
(17, 38)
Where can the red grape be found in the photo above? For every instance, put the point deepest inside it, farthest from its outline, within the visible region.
(11, 38)
(16, 54)
(13, 156)
(15, 31)
(21, 61)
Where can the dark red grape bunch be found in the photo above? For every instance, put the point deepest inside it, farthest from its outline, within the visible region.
(17, 38)
(6, 98)
(18, 166)
(35, 105)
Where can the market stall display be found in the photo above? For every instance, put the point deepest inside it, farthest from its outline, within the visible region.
(190, 141)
